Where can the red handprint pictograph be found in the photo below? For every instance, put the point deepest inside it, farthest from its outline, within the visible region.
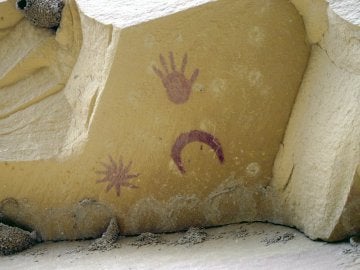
(178, 87)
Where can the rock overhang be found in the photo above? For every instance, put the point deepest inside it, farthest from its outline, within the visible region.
(102, 109)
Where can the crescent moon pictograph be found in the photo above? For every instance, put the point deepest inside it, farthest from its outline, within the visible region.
(195, 136)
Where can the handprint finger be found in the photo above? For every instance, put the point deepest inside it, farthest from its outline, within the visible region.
(194, 76)
(164, 64)
(158, 72)
(172, 62)
(184, 63)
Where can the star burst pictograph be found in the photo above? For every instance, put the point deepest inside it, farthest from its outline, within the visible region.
(117, 175)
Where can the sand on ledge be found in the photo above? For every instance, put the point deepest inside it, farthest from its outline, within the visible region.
(238, 246)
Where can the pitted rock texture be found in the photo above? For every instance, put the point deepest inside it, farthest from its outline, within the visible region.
(13, 239)
(42, 13)
(108, 239)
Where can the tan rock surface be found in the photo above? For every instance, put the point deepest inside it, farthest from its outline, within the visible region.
(170, 120)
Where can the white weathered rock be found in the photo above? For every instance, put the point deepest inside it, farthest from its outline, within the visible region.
(315, 169)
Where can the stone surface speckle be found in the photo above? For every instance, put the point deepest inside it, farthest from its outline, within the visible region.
(13, 239)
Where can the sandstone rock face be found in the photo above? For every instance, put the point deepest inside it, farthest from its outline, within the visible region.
(173, 117)
(316, 168)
